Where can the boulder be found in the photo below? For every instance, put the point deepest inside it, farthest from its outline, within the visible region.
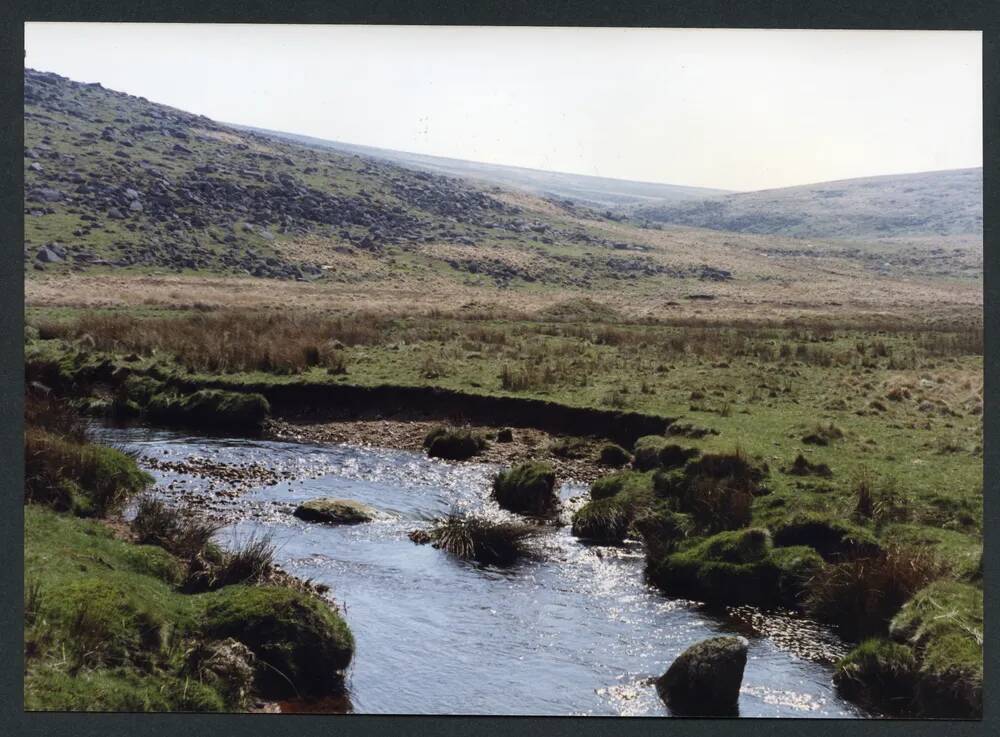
(335, 511)
(705, 680)
(45, 194)
(47, 255)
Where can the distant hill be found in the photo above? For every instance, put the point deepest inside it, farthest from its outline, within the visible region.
(117, 182)
(936, 203)
(120, 185)
(599, 192)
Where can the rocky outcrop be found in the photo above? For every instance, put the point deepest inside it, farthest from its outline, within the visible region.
(705, 680)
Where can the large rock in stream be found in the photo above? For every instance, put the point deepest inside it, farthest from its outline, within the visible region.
(705, 680)
(335, 511)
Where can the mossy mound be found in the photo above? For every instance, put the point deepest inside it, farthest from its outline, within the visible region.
(879, 674)
(210, 408)
(628, 482)
(85, 478)
(656, 451)
(832, 538)
(335, 511)
(735, 567)
(717, 490)
(602, 520)
(614, 456)
(943, 623)
(301, 645)
(799, 565)
(616, 499)
(453, 445)
(528, 488)
(730, 567)
(661, 529)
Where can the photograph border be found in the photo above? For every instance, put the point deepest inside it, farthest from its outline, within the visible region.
(845, 14)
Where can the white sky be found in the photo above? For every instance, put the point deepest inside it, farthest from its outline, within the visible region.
(735, 109)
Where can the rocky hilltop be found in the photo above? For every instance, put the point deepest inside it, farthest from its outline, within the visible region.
(114, 181)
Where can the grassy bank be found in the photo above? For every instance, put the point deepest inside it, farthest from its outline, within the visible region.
(152, 616)
(913, 604)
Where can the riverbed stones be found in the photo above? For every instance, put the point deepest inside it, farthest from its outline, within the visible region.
(705, 679)
(335, 511)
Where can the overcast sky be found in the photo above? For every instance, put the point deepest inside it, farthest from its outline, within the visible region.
(737, 109)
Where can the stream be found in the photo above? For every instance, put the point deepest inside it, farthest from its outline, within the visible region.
(573, 630)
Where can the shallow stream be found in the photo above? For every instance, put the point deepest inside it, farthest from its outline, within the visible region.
(572, 631)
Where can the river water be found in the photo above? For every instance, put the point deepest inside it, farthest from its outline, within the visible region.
(573, 630)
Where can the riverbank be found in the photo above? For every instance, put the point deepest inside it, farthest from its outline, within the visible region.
(851, 458)
(149, 614)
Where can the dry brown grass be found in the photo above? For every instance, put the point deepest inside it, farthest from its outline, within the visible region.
(862, 595)
(798, 299)
(228, 341)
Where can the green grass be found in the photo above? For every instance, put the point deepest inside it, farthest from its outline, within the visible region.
(526, 488)
(776, 397)
(900, 413)
(107, 628)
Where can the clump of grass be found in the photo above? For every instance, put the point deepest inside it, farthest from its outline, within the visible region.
(251, 562)
(528, 488)
(602, 520)
(717, 490)
(801, 466)
(943, 623)
(614, 456)
(452, 444)
(184, 535)
(880, 674)
(85, 478)
(862, 595)
(568, 448)
(482, 539)
(655, 451)
(823, 435)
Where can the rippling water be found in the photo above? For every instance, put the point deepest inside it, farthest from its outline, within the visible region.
(572, 631)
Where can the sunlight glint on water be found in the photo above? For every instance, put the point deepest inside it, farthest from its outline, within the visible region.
(574, 631)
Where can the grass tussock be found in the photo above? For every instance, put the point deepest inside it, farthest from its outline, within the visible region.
(66, 471)
(528, 488)
(862, 596)
(484, 540)
(189, 538)
(453, 444)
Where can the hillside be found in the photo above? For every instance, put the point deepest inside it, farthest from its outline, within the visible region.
(113, 181)
(905, 206)
(591, 191)
(118, 187)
